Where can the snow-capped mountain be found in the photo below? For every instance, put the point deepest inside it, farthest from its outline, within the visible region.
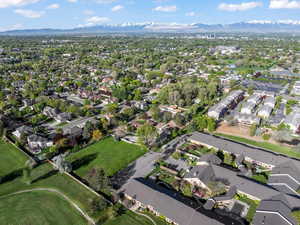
(259, 26)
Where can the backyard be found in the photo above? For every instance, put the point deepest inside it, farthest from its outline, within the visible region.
(108, 154)
(11, 158)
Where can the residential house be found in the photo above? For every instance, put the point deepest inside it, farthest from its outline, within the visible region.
(230, 102)
(172, 109)
(63, 117)
(296, 88)
(270, 101)
(37, 142)
(265, 111)
(255, 99)
(23, 130)
(285, 177)
(276, 210)
(293, 120)
(248, 108)
(73, 131)
(201, 175)
(246, 119)
(217, 111)
(50, 112)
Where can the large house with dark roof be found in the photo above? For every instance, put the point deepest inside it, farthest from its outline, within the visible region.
(201, 175)
(285, 177)
(274, 211)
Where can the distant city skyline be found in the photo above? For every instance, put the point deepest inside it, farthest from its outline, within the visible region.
(31, 14)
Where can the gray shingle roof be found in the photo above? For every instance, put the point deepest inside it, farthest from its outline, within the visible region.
(276, 204)
(205, 173)
(237, 148)
(166, 205)
(288, 167)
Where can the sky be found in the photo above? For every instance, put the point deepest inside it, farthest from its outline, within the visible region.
(32, 14)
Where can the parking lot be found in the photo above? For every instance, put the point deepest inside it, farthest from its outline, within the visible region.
(262, 86)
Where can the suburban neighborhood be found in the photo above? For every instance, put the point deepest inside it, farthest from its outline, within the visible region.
(149, 128)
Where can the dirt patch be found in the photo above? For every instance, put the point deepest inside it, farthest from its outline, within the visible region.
(240, 131)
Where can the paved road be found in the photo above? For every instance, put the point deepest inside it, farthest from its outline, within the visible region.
(86, 216)
(139, 168)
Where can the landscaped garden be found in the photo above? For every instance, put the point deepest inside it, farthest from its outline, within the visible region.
(108, 154)
(252, 203)
(129, 218)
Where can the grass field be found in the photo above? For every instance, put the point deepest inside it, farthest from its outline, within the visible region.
(45, 177)
(296, 215)
(109, 154)
(38, 208)
(268, 146)
(11, 158)
(43, 208)
(158, 220)
(129, 218)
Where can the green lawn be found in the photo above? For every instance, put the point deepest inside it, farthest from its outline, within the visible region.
(109, 154)
(129, 218)
(45, 177)
(296, 215)
(158, 220)
(266, 145)
(11, 158)
(41, 208)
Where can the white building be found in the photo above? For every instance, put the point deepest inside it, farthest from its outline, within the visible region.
(270, 101)
(246, 119)
(248, 108)
(255, 99)
(293, 120)
(265, 111)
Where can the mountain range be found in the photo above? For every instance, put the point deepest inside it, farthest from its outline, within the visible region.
(251, 26)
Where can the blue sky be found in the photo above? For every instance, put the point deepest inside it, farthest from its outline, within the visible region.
(21, 14)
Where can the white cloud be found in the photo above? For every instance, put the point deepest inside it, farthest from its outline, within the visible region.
(239, 7)
(190, 14)
(97, 20)
(284, 4)
(117, 8)
(88, 12)
(53, 6)
(291, 22)
(9, 3)
(105, 1)
(29, 13)
(170, 8)
(13, 27)
(72, 1)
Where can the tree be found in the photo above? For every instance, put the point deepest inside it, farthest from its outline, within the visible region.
(97, 205)
(1, 129)
(211, 125)
(97, 179)
(147, 134)
(62, 164)
(253, 130)
(201, 122)
(26, 175)
(97, 135)
(87, 130)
